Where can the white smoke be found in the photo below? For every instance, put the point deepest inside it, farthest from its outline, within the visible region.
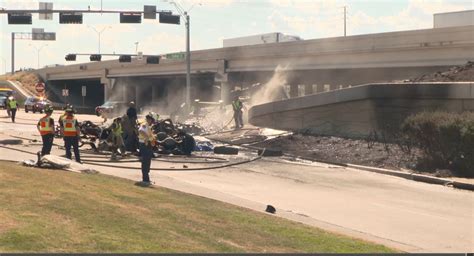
(274, 89)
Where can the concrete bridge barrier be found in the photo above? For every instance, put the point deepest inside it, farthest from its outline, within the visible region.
(358, 112)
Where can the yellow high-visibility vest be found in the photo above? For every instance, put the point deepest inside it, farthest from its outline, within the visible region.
(69, 124)
(13, 103)
(45, 127)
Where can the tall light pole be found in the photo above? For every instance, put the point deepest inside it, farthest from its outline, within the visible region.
(136, 47)
(38, 50)
(185, 14)
(99, 32)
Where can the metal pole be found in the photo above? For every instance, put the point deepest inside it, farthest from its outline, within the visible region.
(13, 53)
(344, 20)
(188, 65)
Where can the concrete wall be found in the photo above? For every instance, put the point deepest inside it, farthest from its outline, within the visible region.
(357, 112)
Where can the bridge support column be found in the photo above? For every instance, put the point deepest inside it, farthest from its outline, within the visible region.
(319, 88)
(225, 92)
(108, 87)
(293, 90)
(308, 89)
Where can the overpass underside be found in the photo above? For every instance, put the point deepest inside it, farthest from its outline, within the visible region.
(93, 88)
(166, 93)
(163, 94)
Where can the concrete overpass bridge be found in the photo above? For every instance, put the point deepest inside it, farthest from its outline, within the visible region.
(305, 67)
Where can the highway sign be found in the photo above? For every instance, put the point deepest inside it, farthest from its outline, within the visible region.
(65, 92)
(44, 36)
(175, 56)
(39, 87)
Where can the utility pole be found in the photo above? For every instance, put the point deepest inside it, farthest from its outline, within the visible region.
(136, 47)
(345, 19)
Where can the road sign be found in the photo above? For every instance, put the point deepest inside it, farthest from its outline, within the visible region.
(44, 36)
(39, 87)
(65, 92)
(84, 90)
(175, 56)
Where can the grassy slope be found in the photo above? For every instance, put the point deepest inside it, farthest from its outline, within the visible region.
(55, 211)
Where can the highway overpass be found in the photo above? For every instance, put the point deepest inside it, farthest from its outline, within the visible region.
(306, 67)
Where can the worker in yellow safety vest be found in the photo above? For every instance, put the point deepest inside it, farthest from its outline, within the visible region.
(237, 107)
(116, 138)
(12, 105)
(45, 127)
(71, 131)
(146, 141)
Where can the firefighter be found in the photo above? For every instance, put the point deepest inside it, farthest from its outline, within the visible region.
(71, 131)
(146, 141)
(12, 105)
(237, 107)
(45, 127)
(116, 137)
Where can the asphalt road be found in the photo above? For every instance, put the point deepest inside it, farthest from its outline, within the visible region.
(403, 214)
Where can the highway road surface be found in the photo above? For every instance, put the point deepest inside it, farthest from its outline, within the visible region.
(403, 214)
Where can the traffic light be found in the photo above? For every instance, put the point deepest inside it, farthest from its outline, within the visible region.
(130, 17)
(95, 57)
(125, 58)
(71, 57)
(70, 18)
(153, 60)
(169, 18)
(19, 18)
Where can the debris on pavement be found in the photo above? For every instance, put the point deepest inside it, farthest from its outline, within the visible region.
(57, 162)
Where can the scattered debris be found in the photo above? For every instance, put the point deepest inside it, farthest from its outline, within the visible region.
(270, 152)
(270, 209)
(57, 162)
(226, 150)
(462, 73)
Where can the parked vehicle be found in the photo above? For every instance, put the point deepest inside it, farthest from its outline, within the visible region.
(36, 104)
(4, 94)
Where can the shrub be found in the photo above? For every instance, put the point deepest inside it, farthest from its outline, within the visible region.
(446, 140)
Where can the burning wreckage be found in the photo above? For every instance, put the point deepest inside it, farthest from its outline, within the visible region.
(170, 138)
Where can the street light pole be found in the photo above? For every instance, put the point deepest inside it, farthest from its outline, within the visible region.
(185, 15)
(99, 33)
(38, 50)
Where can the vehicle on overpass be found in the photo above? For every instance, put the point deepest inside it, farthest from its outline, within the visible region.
(112, 108)
(36, 104)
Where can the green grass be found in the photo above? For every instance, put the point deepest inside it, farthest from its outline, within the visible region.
(56, 211)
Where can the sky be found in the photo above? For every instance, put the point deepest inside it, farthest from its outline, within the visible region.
(211, 22)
